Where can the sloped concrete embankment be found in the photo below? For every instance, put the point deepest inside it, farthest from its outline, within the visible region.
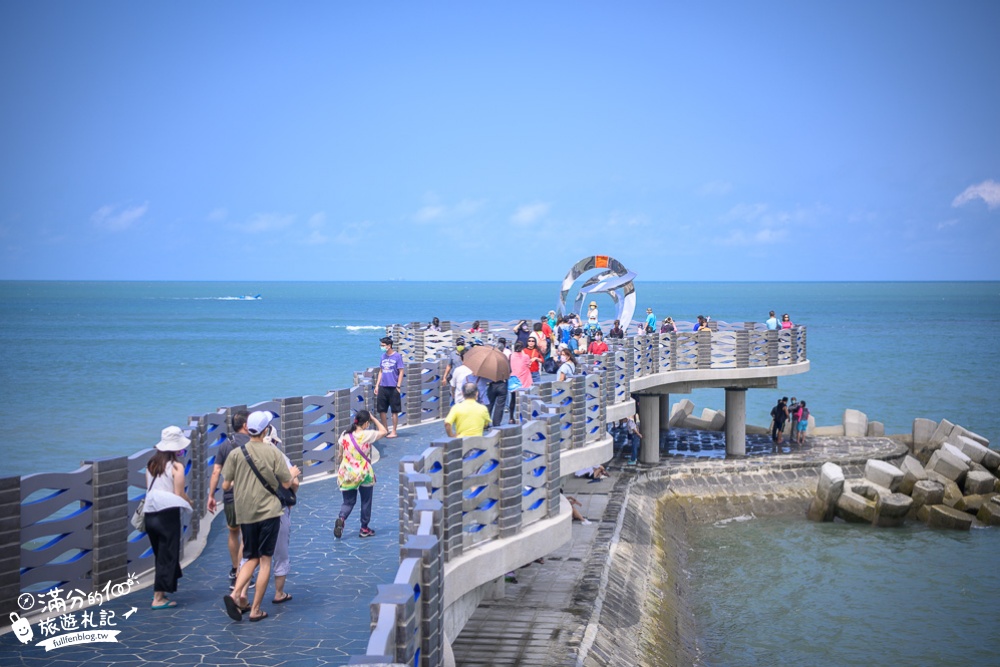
(643, 612)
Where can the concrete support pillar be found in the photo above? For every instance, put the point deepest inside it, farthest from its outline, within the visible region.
(664, 413)
(649, 420)
(736, 423)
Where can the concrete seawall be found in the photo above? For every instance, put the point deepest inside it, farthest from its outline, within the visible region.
(618, 593)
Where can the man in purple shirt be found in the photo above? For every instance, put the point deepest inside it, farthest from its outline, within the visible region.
(387, 384)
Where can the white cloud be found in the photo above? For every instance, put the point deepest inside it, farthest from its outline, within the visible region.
(316, 224)
(758, 224)
(529, 213)
(352, 232)
(988, 191)
(436, 211)
(218, 214)
(115, 219)
(428, 213)
(941, 226)
(619, 219)
(715, 189)
(265, 222)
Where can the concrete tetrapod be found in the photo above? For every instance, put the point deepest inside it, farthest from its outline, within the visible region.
(828, 490)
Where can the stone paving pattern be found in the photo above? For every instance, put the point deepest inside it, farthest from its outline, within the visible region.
(541, 620)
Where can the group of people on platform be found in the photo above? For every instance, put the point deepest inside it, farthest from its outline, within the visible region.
(773, 324)
(797, 413)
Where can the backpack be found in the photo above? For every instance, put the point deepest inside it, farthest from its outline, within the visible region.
(549, 365)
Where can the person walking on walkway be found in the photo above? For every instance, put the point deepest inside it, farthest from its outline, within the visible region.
(355, 473)
(165, 498)
(468, 418)
(258, 510)
(387, 384)
(237, 438)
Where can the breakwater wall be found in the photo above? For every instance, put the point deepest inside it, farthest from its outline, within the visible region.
(72, 530)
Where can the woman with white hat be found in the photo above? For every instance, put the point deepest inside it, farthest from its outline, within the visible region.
(165, 498)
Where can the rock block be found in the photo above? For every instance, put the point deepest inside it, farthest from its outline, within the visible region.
(876, 429)
(971, 448)
(989, 514)
(696, 424)
(927, 492)
(855, 423)
(891, 510)
(942, 516)
(819, 431)
(992, 460)
(923, 429)
(946, 463)
(884, 474)
(855, 508)
(681, 411)
(952, 491)
(716, 420)
(977, 482)
(831, 483)
(913, 472)
(972, 503)
(941, 433)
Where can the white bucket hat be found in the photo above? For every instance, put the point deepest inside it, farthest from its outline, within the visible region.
(172, 440)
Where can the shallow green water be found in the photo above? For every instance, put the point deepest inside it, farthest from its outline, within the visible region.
(790, 592)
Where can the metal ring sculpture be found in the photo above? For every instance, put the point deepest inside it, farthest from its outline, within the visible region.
(616, 281)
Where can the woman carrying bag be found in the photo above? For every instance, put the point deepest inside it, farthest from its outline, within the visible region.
(355, 473)
(165, 500)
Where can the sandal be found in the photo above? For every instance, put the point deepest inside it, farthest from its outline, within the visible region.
(254, 619)
(166, 605)
(288, 596)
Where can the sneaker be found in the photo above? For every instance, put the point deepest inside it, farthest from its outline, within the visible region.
(338, 528)
(366, 532)
(630, 462)
(232, 577)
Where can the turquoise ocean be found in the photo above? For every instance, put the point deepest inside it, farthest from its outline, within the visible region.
(96, 369)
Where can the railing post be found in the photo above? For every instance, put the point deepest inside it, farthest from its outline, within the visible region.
(197, 482)
(510, 480)
(742, 349)
(772, 347)
(578, 410)
(451, 495)
(554, 450)
(704, 348)
(292, 428)
(10, 545)
(413, 401)
(428, 549)
(110, 521)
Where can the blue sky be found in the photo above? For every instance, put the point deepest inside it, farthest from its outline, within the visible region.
(445, 141)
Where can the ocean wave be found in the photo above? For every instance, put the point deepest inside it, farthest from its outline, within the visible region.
(248, 297)
(738, 519)
(359, 327)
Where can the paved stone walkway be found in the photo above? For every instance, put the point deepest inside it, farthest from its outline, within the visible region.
(332, 583)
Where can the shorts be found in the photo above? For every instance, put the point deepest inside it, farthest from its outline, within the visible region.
(230, 511)
(388, 397)
(803, 425)
(259, 538)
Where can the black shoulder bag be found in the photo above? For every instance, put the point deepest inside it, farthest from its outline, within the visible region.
(285, 496)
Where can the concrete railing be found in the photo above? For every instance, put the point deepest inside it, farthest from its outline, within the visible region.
(71, 529)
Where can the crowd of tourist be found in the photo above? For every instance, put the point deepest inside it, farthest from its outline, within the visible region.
(784, 411)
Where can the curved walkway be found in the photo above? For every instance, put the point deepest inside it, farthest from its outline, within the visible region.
(332, 583)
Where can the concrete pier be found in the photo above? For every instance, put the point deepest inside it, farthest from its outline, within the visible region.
(736, 422)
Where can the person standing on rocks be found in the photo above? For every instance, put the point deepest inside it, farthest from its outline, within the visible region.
(802, 423)
(779, 415)
(793, 415)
